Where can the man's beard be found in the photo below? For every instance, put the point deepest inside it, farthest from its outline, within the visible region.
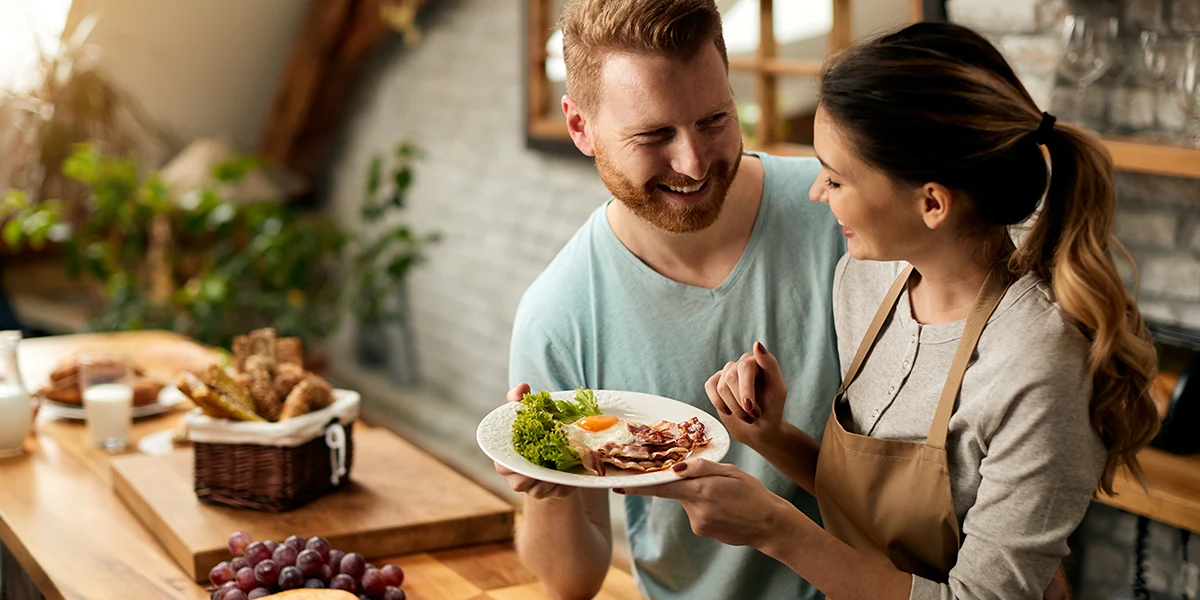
(650, 203)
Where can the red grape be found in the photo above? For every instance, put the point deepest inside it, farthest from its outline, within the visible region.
(271, 545)
(266, 572)
(371, 566)
(284, 556)
(321, 545)
(393, 593)
(393, 575)
(256, 553)
(296, 542)
(315, 584)
(290, 578)
(373, 583)
(220, 574)
(343, 582)
(238, 564)
(259, 592)
(335, 560)
(354, 565)
(245, 579)
(309, 562)
(326, 573)
(234, 594)
(238, 542)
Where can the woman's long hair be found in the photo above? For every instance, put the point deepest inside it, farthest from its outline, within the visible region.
(936, 102)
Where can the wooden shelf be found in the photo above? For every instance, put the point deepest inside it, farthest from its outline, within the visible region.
(1138, 156)
(777, 66)
(1147, 157)
(1174, 489)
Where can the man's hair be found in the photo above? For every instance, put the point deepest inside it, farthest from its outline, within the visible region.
(594, 29)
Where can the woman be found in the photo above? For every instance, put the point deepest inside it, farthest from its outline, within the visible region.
(988, 389)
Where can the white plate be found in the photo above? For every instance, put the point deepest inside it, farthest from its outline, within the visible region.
(167, 399)
(494, 436)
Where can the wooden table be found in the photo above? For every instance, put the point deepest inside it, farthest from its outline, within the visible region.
(72, 538)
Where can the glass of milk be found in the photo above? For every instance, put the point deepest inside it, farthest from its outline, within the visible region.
(106, 384)
(16, 407)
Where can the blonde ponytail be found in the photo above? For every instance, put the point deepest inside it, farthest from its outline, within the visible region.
(1071, 245)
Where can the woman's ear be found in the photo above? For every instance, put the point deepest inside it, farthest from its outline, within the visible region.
(936, 203)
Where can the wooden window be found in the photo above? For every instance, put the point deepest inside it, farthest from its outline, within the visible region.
(774, 89)
(770, 84)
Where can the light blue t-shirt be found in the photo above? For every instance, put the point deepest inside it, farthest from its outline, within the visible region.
(598, 317)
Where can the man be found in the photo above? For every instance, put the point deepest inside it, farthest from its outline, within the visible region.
(703, 251)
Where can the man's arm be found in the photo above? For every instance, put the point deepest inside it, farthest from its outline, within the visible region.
(565, 535)
(567, 542)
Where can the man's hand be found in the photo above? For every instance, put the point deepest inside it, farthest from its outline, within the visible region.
(528, 485)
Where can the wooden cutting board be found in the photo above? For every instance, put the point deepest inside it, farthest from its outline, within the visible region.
(399, 500)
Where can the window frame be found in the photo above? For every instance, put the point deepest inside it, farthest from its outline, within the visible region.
(545, 129)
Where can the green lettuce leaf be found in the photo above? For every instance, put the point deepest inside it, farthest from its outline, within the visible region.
(538, 433)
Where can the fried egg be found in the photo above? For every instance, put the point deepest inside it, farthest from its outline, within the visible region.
(596, 431)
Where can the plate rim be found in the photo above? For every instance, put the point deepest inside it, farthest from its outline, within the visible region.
(719, 436)
(76, 412)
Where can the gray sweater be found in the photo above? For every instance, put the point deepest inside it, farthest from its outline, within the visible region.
(1024, 458)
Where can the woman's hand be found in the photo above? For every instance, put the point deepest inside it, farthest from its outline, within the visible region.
(749, 396)
(723, 502)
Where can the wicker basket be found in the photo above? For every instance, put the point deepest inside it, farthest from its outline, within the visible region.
(272, 477)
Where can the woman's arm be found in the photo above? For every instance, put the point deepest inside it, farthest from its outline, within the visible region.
(732, 507)
(749, 396)
(794, 453)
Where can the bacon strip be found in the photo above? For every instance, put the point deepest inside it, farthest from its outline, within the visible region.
(592, 460)
(658, 447)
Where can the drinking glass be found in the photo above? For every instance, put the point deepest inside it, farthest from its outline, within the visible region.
(1187, 92)
(1161, 62)
(106, 384)
(1089, 48)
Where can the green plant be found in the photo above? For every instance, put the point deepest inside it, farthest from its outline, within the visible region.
(387, 249)
(203, 266)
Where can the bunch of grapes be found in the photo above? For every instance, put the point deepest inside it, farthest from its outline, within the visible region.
(259, 569)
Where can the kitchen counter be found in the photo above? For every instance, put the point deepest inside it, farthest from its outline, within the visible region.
(66, 535)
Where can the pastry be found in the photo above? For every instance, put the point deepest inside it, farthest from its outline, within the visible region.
(313, 393)
(262, 390)
(290, 351)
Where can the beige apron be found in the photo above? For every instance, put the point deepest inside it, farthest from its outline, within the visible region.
(888, 498)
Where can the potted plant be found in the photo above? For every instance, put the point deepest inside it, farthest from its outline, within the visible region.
(383, 254)
(200, 264)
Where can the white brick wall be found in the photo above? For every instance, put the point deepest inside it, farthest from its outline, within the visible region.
(503, 211)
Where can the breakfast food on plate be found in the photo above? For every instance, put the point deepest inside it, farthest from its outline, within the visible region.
(64, 385)
(260, 569)
(266, 381)
(563, 434)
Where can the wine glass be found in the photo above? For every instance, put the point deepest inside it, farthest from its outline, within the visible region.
(1160, 60)
(1187, 90)
(1089, 45)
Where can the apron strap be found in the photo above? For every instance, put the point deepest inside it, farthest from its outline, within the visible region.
(881, 316)
(986, 302)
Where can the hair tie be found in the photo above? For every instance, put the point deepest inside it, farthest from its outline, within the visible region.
(1043, 131)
